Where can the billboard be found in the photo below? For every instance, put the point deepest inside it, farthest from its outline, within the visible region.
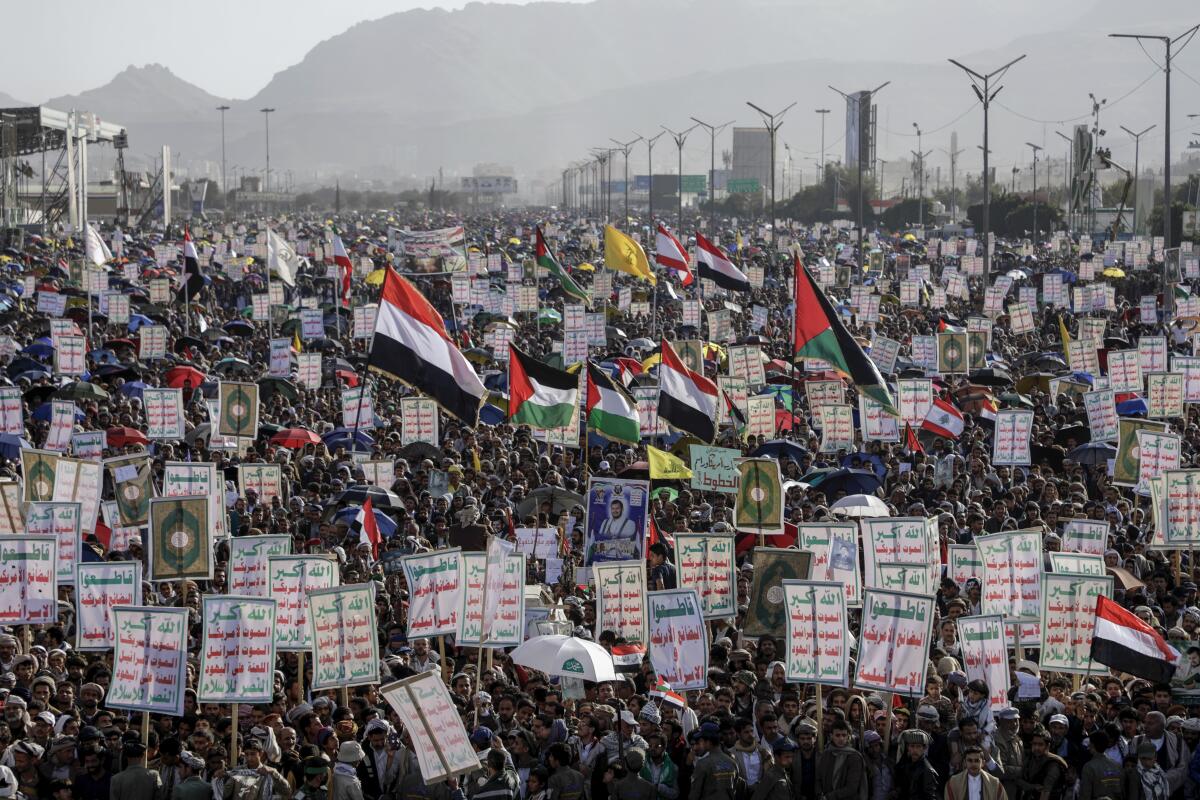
(489, 184)
(858, 129)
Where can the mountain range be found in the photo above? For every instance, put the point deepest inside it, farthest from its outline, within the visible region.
(536, 86)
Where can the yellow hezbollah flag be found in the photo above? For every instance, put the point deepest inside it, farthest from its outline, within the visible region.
(665, 466)
(299, 348)
(623, 254)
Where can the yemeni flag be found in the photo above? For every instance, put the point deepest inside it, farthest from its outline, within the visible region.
(820, 334)
(663, 691)
(540, 396)
(193, 281)
(628, 657)
(546, 260)
(943, 419)
(1123, 642)
(411, 345)
(609, 410)
(669, 252)
(369, 532)
(712, 263)
(687, 401)
(342, 259)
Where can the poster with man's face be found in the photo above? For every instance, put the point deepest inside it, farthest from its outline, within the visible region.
(616, 519)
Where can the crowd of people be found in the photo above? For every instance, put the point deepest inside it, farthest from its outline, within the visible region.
(750, 735)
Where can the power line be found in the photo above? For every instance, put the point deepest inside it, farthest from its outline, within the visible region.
(938, 129)
(1014, 112)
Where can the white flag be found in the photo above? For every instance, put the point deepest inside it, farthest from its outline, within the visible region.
(97, 251)
(282, 258)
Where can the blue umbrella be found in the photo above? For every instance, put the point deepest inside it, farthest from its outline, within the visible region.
(781, 448)
(341, 437)
(32, 375)
(138, 320)
(42, 413)
(1093, 453)
(1132, 407)
(491, 415)
(11, 446)
(132, 388)
(850, 481)
(39, 350)
(23, 364)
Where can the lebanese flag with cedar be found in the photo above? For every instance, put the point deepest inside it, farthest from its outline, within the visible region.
(943, 419)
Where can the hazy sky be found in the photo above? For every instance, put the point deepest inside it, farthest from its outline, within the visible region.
(215, 44)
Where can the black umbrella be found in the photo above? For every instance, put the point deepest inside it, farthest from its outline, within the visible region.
(992, 376)
(380, 498)
(415, 451)
(1080, 433)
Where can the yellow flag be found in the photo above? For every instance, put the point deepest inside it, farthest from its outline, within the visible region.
(1066, 339)
(623, 254)
(296, 342)
(665, 466)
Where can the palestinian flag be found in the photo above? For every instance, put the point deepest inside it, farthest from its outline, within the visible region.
(609, 410)
(654, 535)
(663, 691)
(820, 334)
(736, 417)
(628, 657)
(540, 396)
(411, 345)
(546, 260)
(1122, 641)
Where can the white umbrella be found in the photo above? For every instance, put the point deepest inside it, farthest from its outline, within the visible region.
(566, 656)
(860, 505)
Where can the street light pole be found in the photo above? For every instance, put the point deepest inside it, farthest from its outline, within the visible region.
(712, 171)
(1167, 42)
(650, 169)
(624, 150)
(1035, 148)
(822, 112)
(986, 95)
(772, 127)
(1068, 169)
(266, 112)
(224, 185)
(1137, 147)
(679, 138)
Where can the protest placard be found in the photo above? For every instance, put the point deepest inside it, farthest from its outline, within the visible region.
(60, 520)
(435, 591)
(835, 555)
(1012, 567)
(265, 480)
(164, 413)
(1068, 617)
(431, 719)
(248, 563)
(198, 479)
(99, 586)
(290, 579)
(237, 651)
(1012, 445)
(817, 632)
(894, 642)
(678, 639)
(419, 421)
(29, 593)
(713, 468)
(985, 655)
(706, 563)
(621, 599)
(150, 659)
(345, 642)
(179, 544)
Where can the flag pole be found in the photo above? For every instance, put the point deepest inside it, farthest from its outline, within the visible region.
(270, 308)
(337, 291)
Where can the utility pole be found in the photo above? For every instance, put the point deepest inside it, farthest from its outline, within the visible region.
(920, 154)
(870, 98)
(1035, 149)
(1096, 134)
(266, 112)
(772, 127)
(1137, 147)
(624, 149)
(1168, 42)
(713, 130)
(1068, 169)
(882, 168)
(823, 112)
(679, 138)
(224, 185)
(982, 86)
(954, 152)
(650, 169)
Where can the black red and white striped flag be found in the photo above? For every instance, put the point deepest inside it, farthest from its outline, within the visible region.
(628, 657)
(1122, 641)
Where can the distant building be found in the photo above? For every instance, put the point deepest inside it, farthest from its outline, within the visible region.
(751, 168)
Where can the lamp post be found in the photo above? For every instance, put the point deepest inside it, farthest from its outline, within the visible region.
(822, 112)
(224, 185)
(982, 86)
(1168, 42)
(624, 150)
(1035, 149)
(712, 170)
(650, 170)
(1068, 167)
(266, 112)
(1137, 147)
(772, 127)
(679, 138)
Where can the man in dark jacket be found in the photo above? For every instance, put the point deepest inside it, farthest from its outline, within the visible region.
(915, 778)
(841, 770)
(1100, 777)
